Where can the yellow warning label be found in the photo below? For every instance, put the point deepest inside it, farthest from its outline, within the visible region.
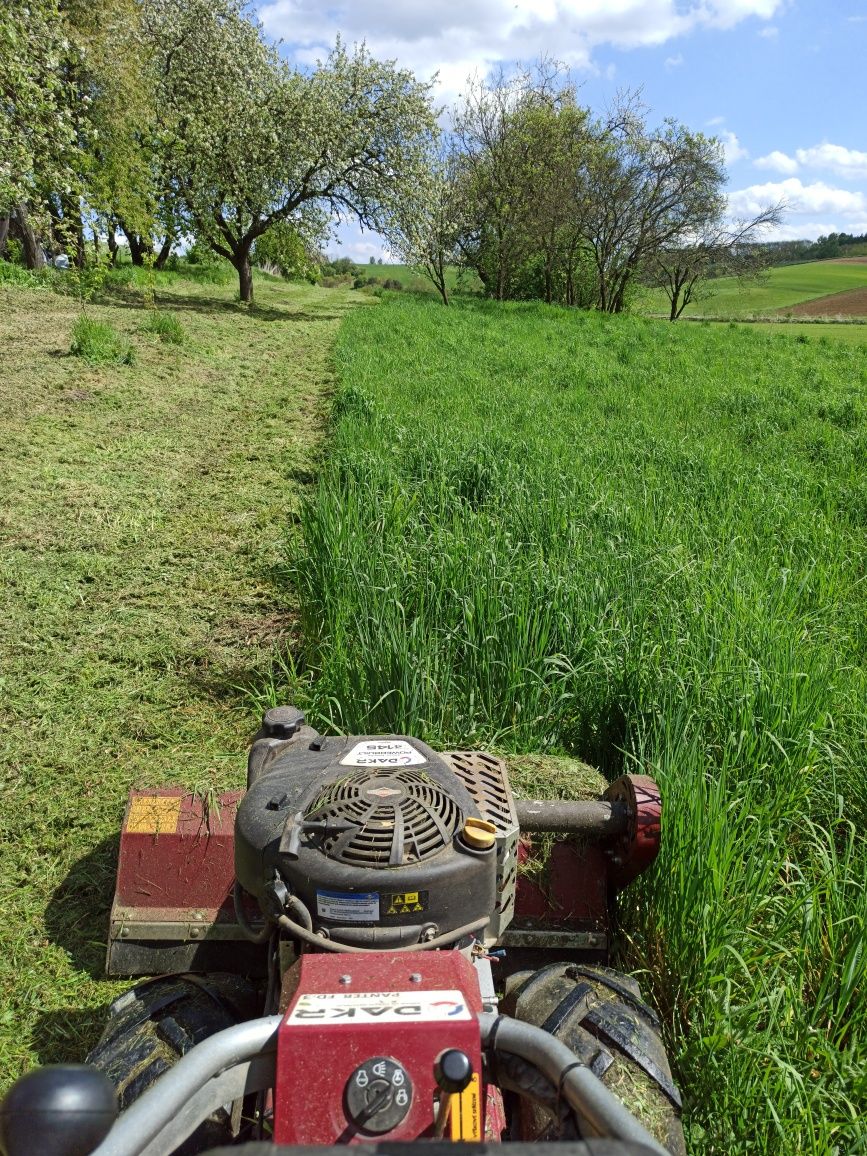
(153, 815)
(465, 1117)
(405, 902)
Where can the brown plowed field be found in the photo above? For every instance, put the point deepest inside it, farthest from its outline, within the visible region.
(849, 303)
(846, 261)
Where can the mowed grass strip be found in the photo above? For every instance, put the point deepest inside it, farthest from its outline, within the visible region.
(144, 509)
(642, 544)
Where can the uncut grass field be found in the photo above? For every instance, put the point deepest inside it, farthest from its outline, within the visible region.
(783, 286)
(642, 544)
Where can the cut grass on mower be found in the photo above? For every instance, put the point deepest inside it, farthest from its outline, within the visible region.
(144, 512)
(642, 543)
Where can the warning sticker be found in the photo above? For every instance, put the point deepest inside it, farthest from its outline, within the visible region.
(153, 815)
(347, 906)
(404, 902)
(390, 1007)
(383, 753)
(465, 1116)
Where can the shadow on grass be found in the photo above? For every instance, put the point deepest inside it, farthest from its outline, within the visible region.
(122, 300)
(77, 920)
(67, 1035)
(77, 915)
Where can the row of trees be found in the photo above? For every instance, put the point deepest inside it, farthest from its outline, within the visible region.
(543, 199)
(176, 119)
(171, 119)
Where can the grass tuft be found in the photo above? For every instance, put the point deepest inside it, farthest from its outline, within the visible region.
(99, 343)
(166, 326)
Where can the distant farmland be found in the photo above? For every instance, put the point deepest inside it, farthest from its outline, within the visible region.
(784, 287)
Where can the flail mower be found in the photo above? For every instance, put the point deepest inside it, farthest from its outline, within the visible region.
(375, 943)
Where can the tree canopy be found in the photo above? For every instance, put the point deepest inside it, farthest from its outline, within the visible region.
(248, 141)
(177, 120)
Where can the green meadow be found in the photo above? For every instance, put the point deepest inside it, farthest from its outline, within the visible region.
(642, 544)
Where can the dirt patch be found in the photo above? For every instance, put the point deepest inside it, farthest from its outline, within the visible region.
(849, 303)
(846, 261)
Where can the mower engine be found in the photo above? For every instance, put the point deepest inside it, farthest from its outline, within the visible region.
(378, 842)
(377, 904)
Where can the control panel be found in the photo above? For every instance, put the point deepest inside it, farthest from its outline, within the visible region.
(380, 1046)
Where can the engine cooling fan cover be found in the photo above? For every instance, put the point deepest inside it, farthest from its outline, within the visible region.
(374, 818)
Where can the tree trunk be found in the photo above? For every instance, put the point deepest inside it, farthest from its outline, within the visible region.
(112, 244)
(139, 247)
(4, 232)
(73, 229)
(241, 261)
(164, 253)
(34, 256)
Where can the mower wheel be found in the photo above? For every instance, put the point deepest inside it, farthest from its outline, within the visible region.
(600, 1015)
(155, 1023)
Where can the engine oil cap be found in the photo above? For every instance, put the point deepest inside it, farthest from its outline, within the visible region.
(480, 834)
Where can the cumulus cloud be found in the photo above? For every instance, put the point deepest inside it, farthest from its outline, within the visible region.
(837, 159)
(456, 37)
(769, 32)
(673, 62)
(732, 147)
(800, 198)
(778, 162)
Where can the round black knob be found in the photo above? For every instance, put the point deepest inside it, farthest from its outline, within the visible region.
(282, 722)
(60, 1110)
(453, 1070)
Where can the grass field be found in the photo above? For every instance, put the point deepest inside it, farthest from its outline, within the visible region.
(644, 544)
(145, 508)
(784, 286)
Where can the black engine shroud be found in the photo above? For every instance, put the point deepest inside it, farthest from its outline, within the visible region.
(368, 833)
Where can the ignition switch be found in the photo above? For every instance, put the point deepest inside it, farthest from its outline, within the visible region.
(378, 1095)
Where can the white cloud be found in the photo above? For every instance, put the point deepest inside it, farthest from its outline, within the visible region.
(835, 158)
(732, 147)
(350, 241)
(778, 162)
(716, 120)
(456, 37)
(800, 198)
(673, 62)
(770, 32)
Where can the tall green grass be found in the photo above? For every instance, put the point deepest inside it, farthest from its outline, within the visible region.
(644, 544)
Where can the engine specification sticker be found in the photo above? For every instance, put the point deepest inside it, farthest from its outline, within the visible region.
(388, 1007)
(348, 906)
(383, 753)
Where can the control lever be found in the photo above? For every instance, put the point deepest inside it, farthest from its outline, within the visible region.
(453, 1072)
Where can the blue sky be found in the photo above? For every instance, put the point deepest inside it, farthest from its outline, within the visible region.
(782, 83)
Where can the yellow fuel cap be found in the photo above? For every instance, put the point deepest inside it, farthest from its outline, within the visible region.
(479, 833)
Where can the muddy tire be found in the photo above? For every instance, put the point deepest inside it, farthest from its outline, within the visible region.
(155, 1023)
(600, 1015)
